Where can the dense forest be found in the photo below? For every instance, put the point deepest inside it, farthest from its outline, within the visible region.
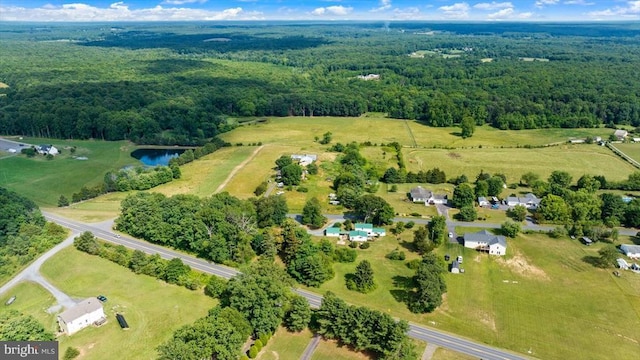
(180, 83)
(24, 233)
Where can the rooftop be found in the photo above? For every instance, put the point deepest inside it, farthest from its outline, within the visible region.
(86, 306)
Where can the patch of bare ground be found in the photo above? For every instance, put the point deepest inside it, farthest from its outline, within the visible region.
(520, 265)
(487, 320)
(454, 155)
(3, 85)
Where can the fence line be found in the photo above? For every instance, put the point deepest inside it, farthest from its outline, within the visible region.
(623, 155)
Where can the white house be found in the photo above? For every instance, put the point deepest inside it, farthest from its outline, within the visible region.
(530, 201)
(486, 241)
(85, 313)
(47, 149)
(304, 159)
(632, 251)
(369, 229)
(359, 236)
(482, 201)
(420, 194)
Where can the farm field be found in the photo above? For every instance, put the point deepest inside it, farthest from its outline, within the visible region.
(43, 181)
(153, 308)
(513, 302)
(577, 160)
(631, 149)
(31, 299)
(300, 131)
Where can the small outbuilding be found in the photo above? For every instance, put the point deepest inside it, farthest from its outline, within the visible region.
(122, 321)
(332, 232)
(622, 264)
(482, 201)
(455, 267)
(585, 240)
(358, 236)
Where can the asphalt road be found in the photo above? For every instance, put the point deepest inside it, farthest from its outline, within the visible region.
(420, 332)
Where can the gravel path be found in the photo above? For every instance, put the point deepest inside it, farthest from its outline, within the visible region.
(32, 273)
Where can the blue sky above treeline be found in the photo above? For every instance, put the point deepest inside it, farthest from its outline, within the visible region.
(441, 10)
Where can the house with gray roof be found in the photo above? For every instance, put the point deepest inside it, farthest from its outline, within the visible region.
(420, 194)
(83, 314)
(486, 241)
(529, 201)
(632, 251)
(620, 134)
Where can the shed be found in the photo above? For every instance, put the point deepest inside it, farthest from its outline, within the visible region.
(586, 241)
(455, 267)
(632, 251)
(122, 321)
(622, 264)
(332, 232)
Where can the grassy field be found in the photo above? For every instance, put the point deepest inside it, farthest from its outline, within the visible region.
(300, 131)
(285, 345)
(153, 308)
(203, 176)
(331, 350)
(31, 299)
(577, 160)
(446, 354)
(400, 201)
(631, 149)
(45, 180)
(534, 299)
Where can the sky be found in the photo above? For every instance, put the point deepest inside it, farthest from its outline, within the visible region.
(326, 10)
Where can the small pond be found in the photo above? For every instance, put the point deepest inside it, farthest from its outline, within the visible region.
(153, 157)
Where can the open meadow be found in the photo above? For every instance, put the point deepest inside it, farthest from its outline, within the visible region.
(154, 309)
(43, 181)
(535, 299)
(631, 149)
(577, 160)
(285, 345)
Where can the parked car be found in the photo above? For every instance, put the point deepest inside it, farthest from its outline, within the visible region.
(451, 235)
(102, 298)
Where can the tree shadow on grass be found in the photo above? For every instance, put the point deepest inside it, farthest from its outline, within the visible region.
(594, 261)
(404, 286)
(408, 245)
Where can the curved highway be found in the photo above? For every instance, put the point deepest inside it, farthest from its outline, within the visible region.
(416, 331)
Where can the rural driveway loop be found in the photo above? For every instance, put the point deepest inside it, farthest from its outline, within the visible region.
(32, 273)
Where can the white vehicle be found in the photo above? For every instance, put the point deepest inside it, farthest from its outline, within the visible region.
(450, 234)
(459, 259)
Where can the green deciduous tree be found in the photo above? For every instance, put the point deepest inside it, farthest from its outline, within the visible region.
(437, 229)
(63, 201)
(510, 229)
(517, 213)
(298, 315)
(271, 210)
(362, 280)
(312, 214)
(291, 174)
(468, 126)
(463, 195)
(553, 208)
(15, 326)
(429, 285)
(529, 178)
(372, 208)
(467, 213)
(421, 241)
(87, 242)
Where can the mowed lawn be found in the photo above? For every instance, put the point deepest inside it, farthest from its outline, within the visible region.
(153, 309)
(543, 297)
(577, 160)
(45, 180)
(31, 299)
(285, 345)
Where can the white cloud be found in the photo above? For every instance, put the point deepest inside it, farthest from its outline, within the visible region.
(182, 2)
(543, 3)
(384, 5)
(631, 11)
(578, 2)
(493, 5)
(502, 14)
(455, 11)
(338, 10)
(120, 12)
